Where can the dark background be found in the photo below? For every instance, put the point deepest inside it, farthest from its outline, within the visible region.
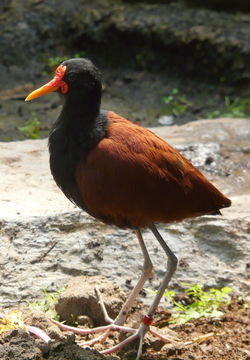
(184, 59)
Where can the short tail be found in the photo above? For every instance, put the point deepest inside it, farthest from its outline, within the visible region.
(226, 203)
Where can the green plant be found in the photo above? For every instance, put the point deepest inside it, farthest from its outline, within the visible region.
(235, 108)
(176, 104)
(203, 303)
(52, 62)
(31, 127)
(47, 305)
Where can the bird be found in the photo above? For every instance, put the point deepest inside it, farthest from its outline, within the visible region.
(123, 175)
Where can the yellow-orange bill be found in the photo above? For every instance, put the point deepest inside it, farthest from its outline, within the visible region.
(53, 85)
(41, 91)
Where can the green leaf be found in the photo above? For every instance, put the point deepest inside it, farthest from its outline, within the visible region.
(205, 303)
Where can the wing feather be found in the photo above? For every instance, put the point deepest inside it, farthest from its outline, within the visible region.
(134, 178)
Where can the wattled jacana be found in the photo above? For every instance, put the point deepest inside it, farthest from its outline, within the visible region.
(122, 174)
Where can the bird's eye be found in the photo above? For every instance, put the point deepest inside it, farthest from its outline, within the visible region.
(71, 76)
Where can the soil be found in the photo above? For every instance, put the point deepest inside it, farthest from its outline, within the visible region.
(201, 339)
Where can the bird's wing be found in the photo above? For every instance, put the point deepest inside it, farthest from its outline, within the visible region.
(134, 178)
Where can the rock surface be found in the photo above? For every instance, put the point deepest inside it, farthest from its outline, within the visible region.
(45, 240)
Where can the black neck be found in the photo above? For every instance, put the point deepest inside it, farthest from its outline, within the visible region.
(79, 114)
(78, 129)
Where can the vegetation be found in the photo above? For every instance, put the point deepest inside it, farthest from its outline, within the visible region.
(200, 303)
(176, 104)
(233, 108)
(203, 303)
(52, 62)
(31, 127)
(47, 305)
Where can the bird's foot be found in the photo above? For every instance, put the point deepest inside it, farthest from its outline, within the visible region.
(140, 334)
(107, 329)
(117, 325)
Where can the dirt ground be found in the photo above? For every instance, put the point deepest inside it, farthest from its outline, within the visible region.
(201, 339)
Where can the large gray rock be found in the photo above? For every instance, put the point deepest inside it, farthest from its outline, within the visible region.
(45, 240)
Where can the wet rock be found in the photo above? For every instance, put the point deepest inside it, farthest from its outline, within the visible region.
(80, 299)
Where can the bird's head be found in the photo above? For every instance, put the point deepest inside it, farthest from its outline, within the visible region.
(74, 76)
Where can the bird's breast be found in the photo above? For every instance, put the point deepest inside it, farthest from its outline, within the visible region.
(69, 146)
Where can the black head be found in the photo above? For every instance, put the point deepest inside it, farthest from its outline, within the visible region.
(76, 79)
(81, 76)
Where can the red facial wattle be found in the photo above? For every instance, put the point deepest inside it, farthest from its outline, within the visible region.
(53, 85)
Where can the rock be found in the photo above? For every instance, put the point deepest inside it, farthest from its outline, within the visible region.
(80, 299)
(46, 241)
(166, 120)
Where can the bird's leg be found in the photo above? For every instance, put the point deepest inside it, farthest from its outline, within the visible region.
(171, 267)
(120, 319)
(116, 325)
(148, 319)
(146, 274)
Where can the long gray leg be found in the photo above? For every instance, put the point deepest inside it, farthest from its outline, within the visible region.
(146, 274)
(147, 320)
(171, 267)
(119, 321)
